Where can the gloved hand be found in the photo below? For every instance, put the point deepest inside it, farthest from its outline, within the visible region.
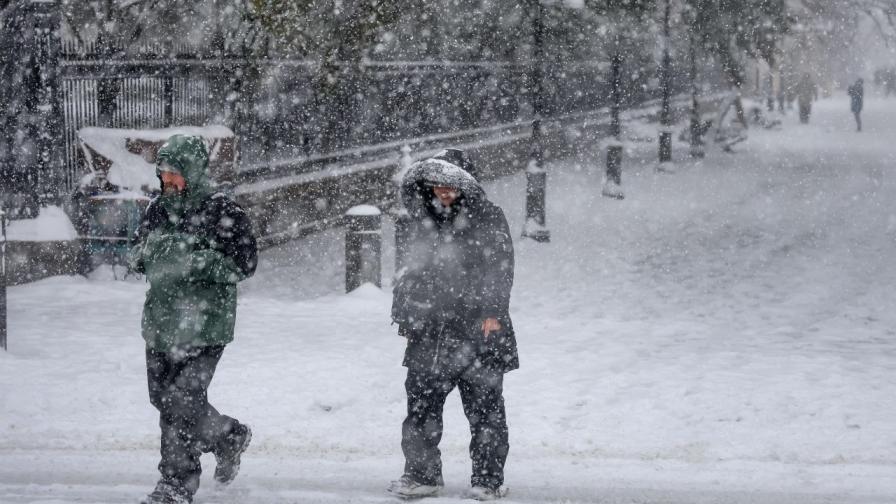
(166, 257)
(135, 259)
(209, 265)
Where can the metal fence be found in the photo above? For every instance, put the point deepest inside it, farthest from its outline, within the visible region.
(102, 88)
(277, 107)
(385, 101)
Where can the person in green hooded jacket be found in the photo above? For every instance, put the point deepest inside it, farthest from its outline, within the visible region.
(193, 245)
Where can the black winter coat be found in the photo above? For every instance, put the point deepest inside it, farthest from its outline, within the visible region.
(457, 271)
(856, 97)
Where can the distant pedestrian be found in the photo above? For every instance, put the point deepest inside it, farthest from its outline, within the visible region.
(777, 91)
(806, 93)
(857, 101)
(194, 244)
(451, 302)
(888, 81)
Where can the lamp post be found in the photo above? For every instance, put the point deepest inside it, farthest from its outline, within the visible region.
(402, 219)
(3, 279)
(536, 176)
(696, 147)
(613, 177)
(665, 86)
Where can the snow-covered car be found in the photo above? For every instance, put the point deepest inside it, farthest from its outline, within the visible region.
(120, 179)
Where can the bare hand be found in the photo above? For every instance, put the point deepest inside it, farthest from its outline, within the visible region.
(490, 325)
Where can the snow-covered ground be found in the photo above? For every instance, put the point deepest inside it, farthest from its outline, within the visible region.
(725, 334)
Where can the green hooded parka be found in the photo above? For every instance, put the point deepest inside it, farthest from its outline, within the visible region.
(193, 247)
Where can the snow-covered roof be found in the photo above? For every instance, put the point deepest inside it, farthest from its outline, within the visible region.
(129, 170)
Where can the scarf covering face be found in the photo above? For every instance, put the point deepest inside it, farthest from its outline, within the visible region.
(417, 183)
(187, 155)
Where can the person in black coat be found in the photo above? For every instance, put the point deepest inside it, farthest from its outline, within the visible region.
(806, 92)
(857, 101)
(451, 301)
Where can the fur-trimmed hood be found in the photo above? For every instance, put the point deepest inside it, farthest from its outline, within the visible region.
(422, 175)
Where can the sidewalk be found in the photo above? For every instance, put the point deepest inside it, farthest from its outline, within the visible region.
(725, 334)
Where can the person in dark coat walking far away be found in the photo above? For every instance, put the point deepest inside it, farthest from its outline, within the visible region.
(451, 301)
(806, 93)
(194, 244)
(857, 101)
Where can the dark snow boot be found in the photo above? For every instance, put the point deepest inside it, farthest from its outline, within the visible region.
(482, 493)
(167, 492)
(406, 488)
(228, 454)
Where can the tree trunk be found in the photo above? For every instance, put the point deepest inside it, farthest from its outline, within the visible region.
(734, 73)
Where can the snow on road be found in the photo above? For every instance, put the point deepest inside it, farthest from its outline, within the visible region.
(725, 334)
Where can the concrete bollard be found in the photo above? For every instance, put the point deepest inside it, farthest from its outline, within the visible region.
(665, 157)
(612, 187)
(665, 145)
(536, 188)
(363, 247)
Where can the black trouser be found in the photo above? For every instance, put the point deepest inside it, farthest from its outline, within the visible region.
(481, 393)
(805, 111)
(178, 382)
